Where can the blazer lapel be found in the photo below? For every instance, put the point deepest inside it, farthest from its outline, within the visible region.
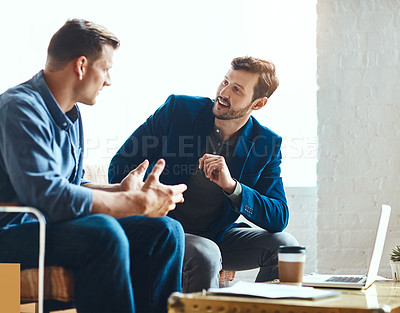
(242, 151)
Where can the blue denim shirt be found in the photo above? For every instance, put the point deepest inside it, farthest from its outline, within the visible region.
(41, 152)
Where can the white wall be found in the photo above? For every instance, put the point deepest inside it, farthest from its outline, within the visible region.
(358, 105)
(303, 221)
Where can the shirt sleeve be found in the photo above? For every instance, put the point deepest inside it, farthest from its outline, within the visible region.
(235, 196)
(34, 164)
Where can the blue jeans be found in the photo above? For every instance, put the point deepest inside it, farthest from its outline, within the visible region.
(120, 266)
(240, 249)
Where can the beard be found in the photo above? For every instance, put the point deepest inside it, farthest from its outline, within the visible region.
(230, 113)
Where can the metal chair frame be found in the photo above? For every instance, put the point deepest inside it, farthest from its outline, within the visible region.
(42, 242)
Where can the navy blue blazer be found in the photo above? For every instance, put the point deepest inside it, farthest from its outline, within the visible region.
(177, 132)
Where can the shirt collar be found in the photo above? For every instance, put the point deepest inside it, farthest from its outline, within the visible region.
(63, 120)
(231, 141)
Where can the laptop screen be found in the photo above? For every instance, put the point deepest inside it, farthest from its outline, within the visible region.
(379, 243)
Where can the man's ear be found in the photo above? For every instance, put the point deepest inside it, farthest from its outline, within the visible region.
(80, 66)
(259, 103)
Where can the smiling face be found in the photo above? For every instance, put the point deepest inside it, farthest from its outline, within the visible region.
(234, 95)
(96, 76)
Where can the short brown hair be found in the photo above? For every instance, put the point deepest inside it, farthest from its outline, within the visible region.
(267, 80)
(78, 37)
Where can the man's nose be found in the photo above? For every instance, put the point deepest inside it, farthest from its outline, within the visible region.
(224, 92)
(107, 81)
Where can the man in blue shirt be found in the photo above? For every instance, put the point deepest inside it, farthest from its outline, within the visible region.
(125, 254)
(231, 165)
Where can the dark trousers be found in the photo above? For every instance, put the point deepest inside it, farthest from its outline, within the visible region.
(120, 266)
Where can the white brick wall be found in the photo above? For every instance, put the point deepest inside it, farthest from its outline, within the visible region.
(303, 220)
(302, 224)
(358, 107)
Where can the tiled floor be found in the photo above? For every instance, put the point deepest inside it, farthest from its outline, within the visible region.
(249, 275)
(30, 308)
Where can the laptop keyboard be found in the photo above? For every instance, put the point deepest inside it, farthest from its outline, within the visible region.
(345, 279)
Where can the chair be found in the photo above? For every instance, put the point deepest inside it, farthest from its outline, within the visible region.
(51, 283)
(54, 283)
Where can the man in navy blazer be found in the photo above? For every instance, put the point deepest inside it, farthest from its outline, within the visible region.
(231, 165)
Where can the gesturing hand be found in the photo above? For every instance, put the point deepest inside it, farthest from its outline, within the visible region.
(134, 180)
(135, 197)
(215, 168)
(160, 198)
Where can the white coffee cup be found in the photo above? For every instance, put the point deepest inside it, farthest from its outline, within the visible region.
(291, 260)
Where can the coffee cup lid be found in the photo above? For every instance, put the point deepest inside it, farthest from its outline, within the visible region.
(292, 249)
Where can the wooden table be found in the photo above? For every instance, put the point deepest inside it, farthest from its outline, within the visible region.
(381, 297)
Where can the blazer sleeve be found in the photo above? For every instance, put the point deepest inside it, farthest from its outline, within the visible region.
(145, 142)
(263, 196)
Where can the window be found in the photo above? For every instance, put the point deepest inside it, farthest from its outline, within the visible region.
(181, 47)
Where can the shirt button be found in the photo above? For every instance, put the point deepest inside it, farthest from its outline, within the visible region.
(65, 124)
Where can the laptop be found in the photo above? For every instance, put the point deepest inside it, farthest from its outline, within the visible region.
(356, 281)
